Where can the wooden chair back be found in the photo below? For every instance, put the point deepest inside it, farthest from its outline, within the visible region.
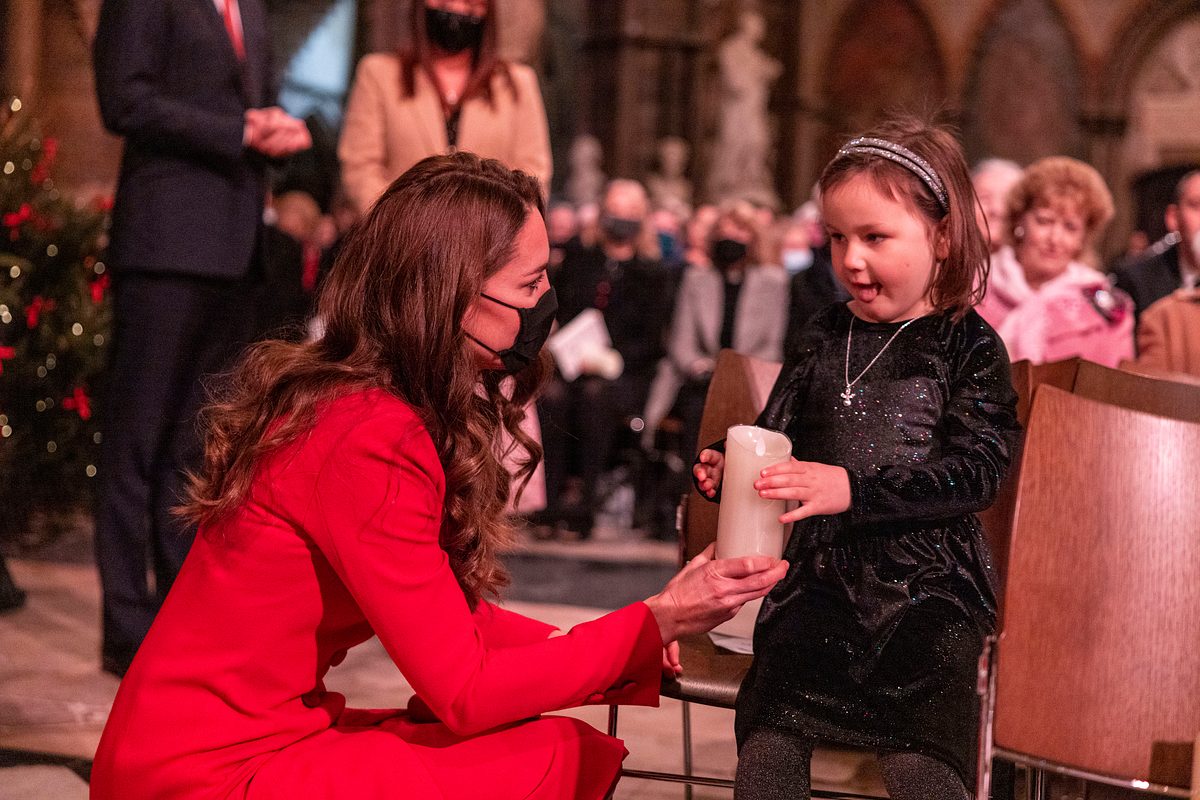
(1152, 395)
(737, 394)
(1098, 658)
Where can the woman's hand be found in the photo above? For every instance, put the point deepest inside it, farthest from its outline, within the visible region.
(671, 667)
(820, 488)
(708, 471)
(707, 592)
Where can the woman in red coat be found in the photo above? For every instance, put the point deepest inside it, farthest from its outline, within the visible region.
(352, 487)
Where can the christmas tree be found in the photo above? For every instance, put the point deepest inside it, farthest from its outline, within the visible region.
(55, 316)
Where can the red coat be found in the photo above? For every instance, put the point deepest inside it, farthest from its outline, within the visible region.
(338, 541)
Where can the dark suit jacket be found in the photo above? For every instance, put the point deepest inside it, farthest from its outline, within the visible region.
(1151, 277)
(811, 290)
(636, 298)
(189, 199)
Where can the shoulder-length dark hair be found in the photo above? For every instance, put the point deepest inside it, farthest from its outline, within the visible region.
(417, 54)
(392, 308)
(959, 280)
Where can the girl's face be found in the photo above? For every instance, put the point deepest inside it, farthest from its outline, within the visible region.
(521, 282)
(883, 251)
(1051, 237)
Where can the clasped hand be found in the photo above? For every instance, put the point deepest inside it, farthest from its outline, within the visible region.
(274, 133)
(819, 488)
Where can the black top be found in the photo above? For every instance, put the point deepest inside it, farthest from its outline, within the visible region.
(729, 317)
(1151, 277)
(873, 636)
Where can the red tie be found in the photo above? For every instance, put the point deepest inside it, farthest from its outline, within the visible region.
(235, 35)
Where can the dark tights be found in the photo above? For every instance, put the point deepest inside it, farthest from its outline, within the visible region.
(774, 765)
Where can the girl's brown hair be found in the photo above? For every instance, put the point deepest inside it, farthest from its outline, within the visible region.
(486, 65)
(958, 281)
(392, 308)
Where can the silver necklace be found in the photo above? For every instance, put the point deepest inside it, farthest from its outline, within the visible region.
(846, 394)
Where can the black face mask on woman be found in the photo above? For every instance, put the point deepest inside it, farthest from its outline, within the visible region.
(727, 252)
(534, 329)
(453, 32)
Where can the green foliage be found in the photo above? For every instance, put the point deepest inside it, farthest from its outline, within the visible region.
(55, 319)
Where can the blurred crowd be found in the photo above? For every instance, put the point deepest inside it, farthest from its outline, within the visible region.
(676, 285)
(676, 282)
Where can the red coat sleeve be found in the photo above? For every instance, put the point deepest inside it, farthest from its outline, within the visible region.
(376, 516)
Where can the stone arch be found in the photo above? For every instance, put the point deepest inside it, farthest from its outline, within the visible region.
(1024, 91)
(894, 63)
(1154, 88)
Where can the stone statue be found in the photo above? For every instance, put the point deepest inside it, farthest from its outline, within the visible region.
(742, 152)
(669, 187)
(587, 179)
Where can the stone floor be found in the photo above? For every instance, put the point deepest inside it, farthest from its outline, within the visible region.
(54, 700)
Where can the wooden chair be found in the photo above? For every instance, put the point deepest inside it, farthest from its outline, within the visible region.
(1166, 397)
(1098, 668)
(738, 392)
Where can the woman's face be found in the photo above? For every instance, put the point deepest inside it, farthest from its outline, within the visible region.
(1049, 237)
(521, 282)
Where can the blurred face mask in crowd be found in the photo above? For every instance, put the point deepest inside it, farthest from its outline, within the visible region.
(727, 252)
(453, 32)
(620, 229)
(796, 260)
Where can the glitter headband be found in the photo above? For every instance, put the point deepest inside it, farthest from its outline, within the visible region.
(904, 157)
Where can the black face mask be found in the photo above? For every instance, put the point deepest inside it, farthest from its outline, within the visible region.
(531, 335)
(728, 251)
(453, 32)
(620, 229)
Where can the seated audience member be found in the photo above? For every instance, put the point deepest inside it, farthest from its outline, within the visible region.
(815, 287)
(740, 302)
(993, 179)
(622, 278)
(1172, 262)
(1168, 333)
(1051, 305)
(562, 226)
(696, 236)
(352, 489)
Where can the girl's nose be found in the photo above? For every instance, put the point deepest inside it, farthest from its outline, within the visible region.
(854, 257)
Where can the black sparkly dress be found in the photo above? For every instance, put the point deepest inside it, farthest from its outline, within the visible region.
(873, 637)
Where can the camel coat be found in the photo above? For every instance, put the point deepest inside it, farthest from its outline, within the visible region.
(1168, 335)
(385, 133)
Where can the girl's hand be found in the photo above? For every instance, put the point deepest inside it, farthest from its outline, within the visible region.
(820, 488)
(708, 471)
(707, 592)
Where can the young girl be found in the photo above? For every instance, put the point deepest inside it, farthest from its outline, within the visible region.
(902, 415)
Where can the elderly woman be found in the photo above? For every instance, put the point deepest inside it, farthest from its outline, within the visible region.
(1046, 304)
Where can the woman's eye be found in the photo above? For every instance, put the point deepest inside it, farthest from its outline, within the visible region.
(535, 284)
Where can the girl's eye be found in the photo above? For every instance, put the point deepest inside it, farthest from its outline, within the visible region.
(875, 238)
(836, 237)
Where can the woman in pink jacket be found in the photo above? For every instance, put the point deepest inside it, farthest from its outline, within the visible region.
(1046, 304)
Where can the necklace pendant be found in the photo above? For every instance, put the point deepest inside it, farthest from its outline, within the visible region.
(846, 397)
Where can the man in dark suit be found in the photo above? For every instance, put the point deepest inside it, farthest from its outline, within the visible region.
(188, 84)
(1171, 262)
(580, 419)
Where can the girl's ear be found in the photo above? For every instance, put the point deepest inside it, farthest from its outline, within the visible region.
(941, 240)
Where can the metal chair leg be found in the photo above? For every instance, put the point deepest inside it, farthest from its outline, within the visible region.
(687, 748)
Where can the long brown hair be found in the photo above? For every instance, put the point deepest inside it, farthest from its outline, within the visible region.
(392, 307)
(486, 65)
(959, 281)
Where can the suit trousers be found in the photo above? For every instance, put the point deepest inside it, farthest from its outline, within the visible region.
(170, 332)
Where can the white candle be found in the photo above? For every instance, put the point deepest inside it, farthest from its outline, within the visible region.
(747, 523)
